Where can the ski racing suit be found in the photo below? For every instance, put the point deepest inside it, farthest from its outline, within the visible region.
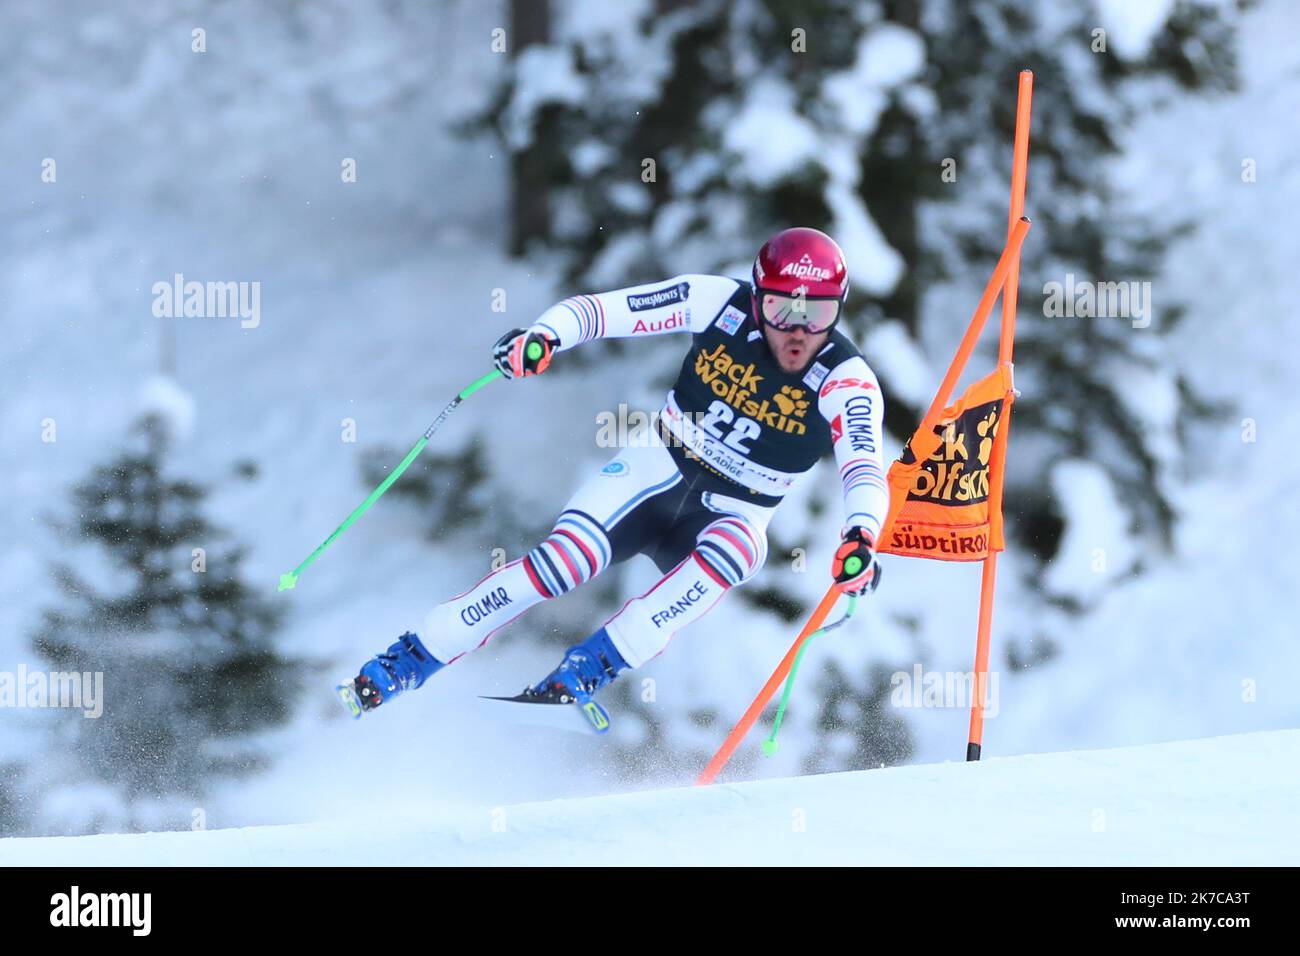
(734, 435)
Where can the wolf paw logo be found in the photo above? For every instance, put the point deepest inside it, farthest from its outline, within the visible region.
(791, 401)
(988, 429)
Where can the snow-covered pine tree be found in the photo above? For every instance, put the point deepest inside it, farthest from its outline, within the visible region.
(185, 646)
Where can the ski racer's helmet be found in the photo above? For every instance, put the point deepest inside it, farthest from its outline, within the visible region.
(800, 279)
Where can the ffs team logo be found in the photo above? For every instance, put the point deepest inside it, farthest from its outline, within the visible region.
(731, 319)
(660, 297)
(738, 385)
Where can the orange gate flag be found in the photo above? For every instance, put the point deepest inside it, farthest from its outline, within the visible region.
(939, 502)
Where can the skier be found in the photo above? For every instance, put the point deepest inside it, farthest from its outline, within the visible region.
(768, 385)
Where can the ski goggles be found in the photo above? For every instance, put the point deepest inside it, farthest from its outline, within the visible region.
(787, 312)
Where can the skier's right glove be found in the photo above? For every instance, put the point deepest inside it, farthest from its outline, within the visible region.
(854, 567)
(520, 353)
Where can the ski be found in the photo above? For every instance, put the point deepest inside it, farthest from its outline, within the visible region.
(347, 694)
(597, 717)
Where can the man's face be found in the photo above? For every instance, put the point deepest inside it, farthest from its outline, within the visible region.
(795, 348)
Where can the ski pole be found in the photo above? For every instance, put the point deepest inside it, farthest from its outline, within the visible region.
(287, 581)
(852, 565)
(739, 731)
(770, 745)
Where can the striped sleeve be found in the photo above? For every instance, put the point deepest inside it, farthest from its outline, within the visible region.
(685, 303)
(850, 400)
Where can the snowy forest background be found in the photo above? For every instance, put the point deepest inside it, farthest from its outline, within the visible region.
(1143, 593)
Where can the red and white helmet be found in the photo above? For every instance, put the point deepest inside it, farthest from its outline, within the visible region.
(800, 279)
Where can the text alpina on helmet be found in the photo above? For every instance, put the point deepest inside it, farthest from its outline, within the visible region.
(800, 279)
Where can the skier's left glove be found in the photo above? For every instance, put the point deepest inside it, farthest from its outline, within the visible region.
(522, 352)
(855, 568)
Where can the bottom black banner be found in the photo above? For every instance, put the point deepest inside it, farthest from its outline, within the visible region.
(579, 906)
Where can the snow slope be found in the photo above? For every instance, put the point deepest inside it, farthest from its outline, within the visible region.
(1221, 800)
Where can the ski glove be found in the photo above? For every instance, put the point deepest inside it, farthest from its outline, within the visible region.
(855, 568)
(520, 353)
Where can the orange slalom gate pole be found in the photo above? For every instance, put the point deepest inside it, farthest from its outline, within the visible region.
(1010, 256)
(1019, 173)
(773, 683)
(1006, 346)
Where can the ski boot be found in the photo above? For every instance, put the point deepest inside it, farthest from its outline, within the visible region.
(586, 668)
(405, 666)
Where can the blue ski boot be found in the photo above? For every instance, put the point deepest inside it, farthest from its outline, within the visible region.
(586, 668)
(405, 666)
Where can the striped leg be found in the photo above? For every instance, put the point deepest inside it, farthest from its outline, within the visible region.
(576, 551)
(608, 519)
(733, 548)
(727, 552)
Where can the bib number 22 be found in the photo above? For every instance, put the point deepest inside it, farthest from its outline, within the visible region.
(743, 429)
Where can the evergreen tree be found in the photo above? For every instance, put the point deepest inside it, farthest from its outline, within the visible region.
(185, 646)
(857, 729)
(451, 490)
